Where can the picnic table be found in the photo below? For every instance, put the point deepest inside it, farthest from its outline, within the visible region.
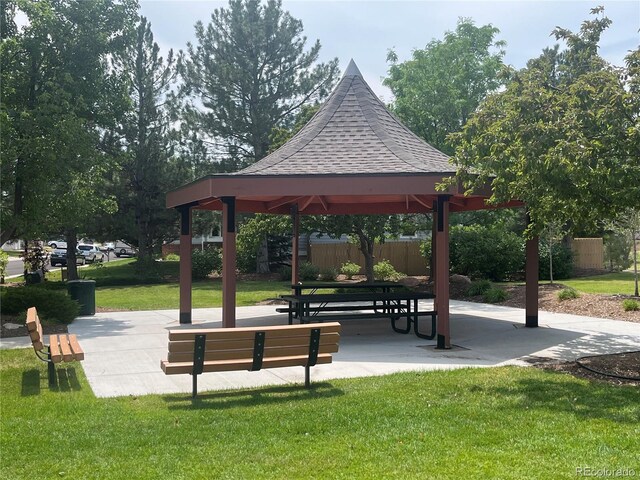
(314, 287)
(364, 305)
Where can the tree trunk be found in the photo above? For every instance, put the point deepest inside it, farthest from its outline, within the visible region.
(366, 247)
(262, 261)
(551, 262)
(72, 267)
(635, 260)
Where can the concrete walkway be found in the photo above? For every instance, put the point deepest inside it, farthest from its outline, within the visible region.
(124, 349)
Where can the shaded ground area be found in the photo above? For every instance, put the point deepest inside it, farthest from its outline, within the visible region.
(8, 327)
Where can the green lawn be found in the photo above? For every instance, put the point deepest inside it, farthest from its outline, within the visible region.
(204, 294)
(508, 423)
(610, 284)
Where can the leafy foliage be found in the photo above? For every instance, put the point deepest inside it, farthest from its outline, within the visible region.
(562, 136)
(204, 262)
(479, 287)
(630, 305)
(4, 261)
(384, 270)
(562, 261)
(308, 272)
(350, 269)
(441, 86)
(253, 232)
(329, 274)
(494, 295)
(52, 305)
(568, 294)
(485, 252)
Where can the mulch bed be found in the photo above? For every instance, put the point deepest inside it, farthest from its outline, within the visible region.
(22, 331)
(610, 368)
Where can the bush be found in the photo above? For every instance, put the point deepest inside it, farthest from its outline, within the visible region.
(4, 261)
(568, 294)
(308, 272)
(53, 306)
(329, 274)
(204, 263)
(562, 262)
(617, 251)
(479, 287)
(630, 305)
(350, 269)
(172, 257)
(494, 295)
(494, 253)
(383, 270)
(285, 273)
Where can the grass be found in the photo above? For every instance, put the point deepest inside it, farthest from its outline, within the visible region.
(608, 284)
(507, 423)
(204, 294)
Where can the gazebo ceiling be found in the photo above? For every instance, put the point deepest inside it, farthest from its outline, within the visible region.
(353, 157)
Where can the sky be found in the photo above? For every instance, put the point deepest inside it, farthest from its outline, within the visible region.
(366, 30)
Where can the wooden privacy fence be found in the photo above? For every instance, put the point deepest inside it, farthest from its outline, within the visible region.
(404, 256)
(588, 253)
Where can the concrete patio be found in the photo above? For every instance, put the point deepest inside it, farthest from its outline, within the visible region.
(124, 349)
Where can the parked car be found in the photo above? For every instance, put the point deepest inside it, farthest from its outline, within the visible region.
(107, 247)
(91, 253)
(57, 244)
(59, 257)
(122, 249)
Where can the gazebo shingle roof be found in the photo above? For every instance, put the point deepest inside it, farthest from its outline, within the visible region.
(352, 133)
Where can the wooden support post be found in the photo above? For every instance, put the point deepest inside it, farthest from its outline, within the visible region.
(185, 264)
(295, 246)
(228, 262)
(442, 272)
(432, 262)
(531, 280)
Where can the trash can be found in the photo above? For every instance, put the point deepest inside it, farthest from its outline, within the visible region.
(84, 292)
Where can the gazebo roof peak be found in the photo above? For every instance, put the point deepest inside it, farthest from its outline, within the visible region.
(352, 70)
(353, 133)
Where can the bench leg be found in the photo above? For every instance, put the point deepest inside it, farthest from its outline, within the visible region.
(433, 328)
(51, 371)
(194, 392)
(307, 376)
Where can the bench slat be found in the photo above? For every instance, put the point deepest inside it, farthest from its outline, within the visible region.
(187, 345)
(78, 354)
(248, 353)
(56, 357)
(231, 365)
(67, 355)
(32, 319)
(245, 333)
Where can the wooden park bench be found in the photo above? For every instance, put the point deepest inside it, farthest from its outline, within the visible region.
(61, 348)
(196, 351)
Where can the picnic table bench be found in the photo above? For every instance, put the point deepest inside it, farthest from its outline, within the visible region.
(196, 351)
(392, 305)
(61, 348)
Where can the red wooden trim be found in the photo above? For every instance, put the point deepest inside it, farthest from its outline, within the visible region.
(185, 270)
(442, 273)
(531, 282)
(228, 266)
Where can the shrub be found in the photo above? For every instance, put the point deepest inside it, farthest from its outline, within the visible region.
(329, 274)
(308, 271)
(568, 294)
(383, 270)
(4, 261)
(477, 251)
(350, 269)
(172, 257)
(285, 273)
(53, 305)
(562, 262)
(630, 305)
(494, 295)
(204, 263)
(479, 287)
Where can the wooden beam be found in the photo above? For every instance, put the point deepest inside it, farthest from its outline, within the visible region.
(425, 203)
(442, 273)
(281, 201)
(306, 203)
(185, 264)
(323, 201)
(228, 262)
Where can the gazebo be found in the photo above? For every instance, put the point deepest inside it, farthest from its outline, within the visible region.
(352, 157)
